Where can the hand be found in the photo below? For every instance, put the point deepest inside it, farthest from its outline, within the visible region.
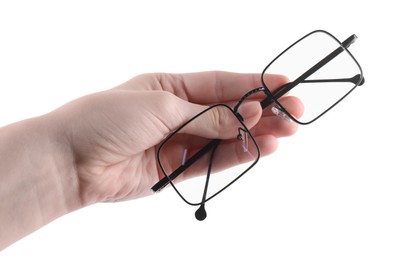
(114, 135)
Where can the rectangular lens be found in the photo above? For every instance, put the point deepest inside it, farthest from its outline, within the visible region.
(320, 71)
(205, 157)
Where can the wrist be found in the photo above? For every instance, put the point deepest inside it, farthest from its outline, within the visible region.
(37, 179)
(61, 164)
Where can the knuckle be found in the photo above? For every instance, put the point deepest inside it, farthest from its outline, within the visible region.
(221, 120)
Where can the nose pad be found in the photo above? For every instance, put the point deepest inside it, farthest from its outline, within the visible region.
(276, 110)
(184, 156)
(243, 136)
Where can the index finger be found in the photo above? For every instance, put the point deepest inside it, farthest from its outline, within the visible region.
(206, 87)
(215, 86)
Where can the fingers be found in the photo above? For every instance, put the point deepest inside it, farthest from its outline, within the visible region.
(230, 154)
(220, 121)
(214, 86)
(274, 126)
(203, 87)
(274, 81)
(292, 104)
(271, 124)
(218, 86)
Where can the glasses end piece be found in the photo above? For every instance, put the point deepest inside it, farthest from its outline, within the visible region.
(350, 40)
(201, 213)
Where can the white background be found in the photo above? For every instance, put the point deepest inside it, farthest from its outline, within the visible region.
(327, 193)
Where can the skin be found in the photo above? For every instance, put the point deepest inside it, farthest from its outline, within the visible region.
(102, 147)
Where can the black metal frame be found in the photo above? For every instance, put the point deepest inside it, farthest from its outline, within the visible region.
(271, 97)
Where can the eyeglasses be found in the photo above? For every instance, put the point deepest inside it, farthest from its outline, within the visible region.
(321, 72)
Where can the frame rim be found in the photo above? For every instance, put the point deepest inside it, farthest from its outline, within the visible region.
(230, 183)
(268, 92)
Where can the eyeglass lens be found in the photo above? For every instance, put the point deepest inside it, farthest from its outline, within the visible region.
(235, 152)
(326, 83)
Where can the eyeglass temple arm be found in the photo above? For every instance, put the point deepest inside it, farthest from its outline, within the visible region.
(166, 180)
(302, 79)
(288, 86)
(356, 80)
(201, 213)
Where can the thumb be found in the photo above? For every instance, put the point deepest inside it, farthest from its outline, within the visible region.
(219, 121)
